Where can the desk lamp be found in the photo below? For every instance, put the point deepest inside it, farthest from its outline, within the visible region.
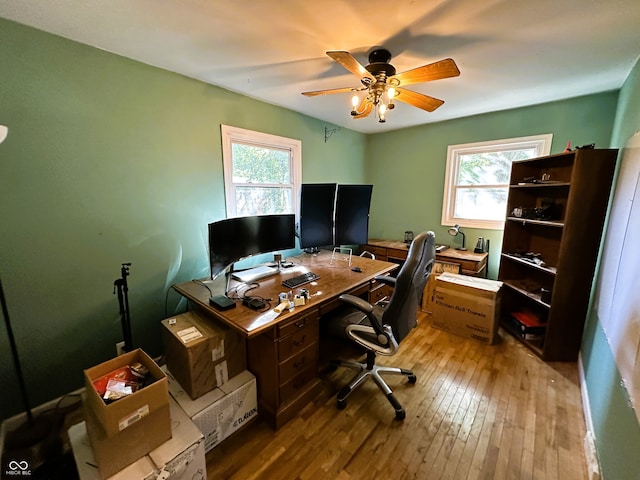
(454, 231)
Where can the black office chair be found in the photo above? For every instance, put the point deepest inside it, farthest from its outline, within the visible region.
(380, 328)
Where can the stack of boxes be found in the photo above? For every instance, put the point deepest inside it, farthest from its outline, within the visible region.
(207, 376)
(127, 429)
(204, 392)
(181, 457)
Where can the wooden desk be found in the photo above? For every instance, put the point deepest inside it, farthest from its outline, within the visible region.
(474, 264)
(282, 350)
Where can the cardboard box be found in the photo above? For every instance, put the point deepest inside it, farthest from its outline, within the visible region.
(467, 306)
(222, 411)
(127, 429)
(201, 353)
(181, 458)
(430, 287)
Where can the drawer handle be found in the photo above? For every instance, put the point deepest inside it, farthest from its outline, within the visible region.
(298, 343)
(299, 323)
(299, 363)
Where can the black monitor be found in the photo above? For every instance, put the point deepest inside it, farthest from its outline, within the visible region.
(352, 214)
(233, 239)
(317, 201)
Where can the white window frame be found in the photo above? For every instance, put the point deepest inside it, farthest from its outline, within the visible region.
(542, 144)
(231, 135)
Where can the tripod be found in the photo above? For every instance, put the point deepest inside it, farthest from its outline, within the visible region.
(120, 287)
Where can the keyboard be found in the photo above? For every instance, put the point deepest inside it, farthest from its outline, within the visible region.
(300, 280)
(253, 274)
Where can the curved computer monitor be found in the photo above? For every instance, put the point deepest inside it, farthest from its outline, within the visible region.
(317, 202)
(352, 214)
(233, 239)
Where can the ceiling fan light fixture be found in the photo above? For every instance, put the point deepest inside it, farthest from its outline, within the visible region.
(382, 85)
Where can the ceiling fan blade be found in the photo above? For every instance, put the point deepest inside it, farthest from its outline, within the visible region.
(419, 100)
(365, 108)
(350, 63)
(333, 90)
(434, 71)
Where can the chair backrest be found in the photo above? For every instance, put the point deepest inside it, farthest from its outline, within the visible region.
(402, 309)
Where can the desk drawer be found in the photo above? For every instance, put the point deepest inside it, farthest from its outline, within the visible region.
(467, 266)
(379, 252)
(306, 358)
(291, 388)
(396, 254)
(378, 292)
(298, 322)
(298, 340)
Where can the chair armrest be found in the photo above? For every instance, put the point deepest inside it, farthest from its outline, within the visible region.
(366, 308)
(386, 279)
(359, 303)
(387, 343)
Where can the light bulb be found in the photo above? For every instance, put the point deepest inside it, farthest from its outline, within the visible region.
(354, 101)
(381, 109)
(391, 92)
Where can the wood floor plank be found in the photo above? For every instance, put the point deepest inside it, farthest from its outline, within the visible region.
(476, 412)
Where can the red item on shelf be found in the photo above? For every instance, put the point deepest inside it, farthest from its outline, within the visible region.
(527, 319)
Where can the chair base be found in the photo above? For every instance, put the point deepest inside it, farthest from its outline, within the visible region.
(369, 370)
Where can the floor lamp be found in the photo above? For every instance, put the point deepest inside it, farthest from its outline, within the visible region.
(12, 342)
(32, 439)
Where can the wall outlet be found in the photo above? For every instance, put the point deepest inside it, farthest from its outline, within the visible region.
(120, 348)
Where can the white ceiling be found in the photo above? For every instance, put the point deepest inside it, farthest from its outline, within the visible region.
(510, 53)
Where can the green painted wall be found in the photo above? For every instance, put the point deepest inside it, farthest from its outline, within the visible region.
(110, 161)
(616, 427)
(407, 166)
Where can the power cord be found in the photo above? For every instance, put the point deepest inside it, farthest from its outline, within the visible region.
(254, 302)
(200, 282)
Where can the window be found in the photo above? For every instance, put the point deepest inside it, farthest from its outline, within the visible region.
(262, 172)
(477, 179)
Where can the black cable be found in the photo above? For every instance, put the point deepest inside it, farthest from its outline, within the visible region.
(255, 302)
(200, 282)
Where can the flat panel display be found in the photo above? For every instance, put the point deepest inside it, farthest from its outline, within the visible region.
(352, 214)
(233, 239)
(317, 201)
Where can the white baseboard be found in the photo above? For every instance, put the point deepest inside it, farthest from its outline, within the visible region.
(590, 451)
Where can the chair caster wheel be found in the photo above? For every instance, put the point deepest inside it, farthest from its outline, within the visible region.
(412, 378)
(400, 414)
(341, 404)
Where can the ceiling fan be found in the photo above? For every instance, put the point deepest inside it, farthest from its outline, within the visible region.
(379, 80)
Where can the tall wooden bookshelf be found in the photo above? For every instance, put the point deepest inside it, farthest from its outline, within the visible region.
(555, 217)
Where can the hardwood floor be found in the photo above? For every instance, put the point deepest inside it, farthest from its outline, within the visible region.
(476, 412)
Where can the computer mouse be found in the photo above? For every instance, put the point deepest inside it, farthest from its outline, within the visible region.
(356, 269)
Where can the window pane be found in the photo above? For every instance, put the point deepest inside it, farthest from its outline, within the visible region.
(263, 200)
(252, 164)
(489, 168)
(481, 203)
